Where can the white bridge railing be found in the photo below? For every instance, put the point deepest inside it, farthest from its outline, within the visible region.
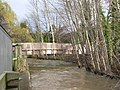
(49, 48)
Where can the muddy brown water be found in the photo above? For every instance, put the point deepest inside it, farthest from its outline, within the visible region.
(60, 75)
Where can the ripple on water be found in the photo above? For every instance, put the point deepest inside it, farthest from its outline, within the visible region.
(61, 77)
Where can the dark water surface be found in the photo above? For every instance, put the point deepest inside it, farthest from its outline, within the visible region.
(59, 75)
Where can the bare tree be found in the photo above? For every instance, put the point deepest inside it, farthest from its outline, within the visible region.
(35, 17)
(49, 24)
(84, 18)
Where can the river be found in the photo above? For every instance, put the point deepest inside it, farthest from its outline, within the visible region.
(60, 75)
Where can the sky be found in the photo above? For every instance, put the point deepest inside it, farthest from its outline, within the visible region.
(20, 7)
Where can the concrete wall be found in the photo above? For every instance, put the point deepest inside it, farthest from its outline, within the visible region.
(9, 79)
(5, 51)
(3, 81)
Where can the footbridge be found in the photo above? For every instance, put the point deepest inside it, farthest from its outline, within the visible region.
(49, 48)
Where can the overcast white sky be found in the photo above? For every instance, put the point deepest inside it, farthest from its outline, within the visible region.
(20, 7)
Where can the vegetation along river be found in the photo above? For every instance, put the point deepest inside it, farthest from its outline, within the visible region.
(60, 75)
